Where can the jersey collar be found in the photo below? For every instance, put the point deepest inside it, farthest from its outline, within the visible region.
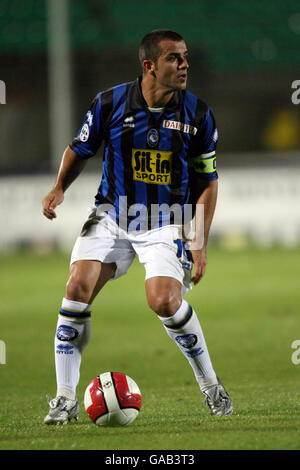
(137, 101)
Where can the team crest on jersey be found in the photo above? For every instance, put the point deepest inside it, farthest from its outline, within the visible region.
(180, 126)
(153, 137)
(85, 132)
(151, 166)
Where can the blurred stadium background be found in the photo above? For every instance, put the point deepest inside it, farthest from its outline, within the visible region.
(56, 55)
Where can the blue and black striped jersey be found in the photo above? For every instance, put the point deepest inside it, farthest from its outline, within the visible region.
(149, 158)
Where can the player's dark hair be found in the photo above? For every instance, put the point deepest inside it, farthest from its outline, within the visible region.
(149, 47)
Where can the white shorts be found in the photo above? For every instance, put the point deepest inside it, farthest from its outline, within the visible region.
(161, 251)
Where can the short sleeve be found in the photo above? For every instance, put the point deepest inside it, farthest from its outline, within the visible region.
(91, 133)
(203, 160)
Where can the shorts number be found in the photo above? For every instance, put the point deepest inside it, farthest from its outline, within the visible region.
(182, 251)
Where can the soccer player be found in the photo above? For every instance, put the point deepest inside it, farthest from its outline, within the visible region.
(159, 159)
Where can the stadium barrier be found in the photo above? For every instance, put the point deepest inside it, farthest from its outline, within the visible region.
(259, 206)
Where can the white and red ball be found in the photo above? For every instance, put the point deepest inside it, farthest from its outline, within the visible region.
(112, 399)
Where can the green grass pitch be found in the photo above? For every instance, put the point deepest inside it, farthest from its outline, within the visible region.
(248, 305)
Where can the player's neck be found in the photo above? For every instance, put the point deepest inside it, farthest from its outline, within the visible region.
(155, 95)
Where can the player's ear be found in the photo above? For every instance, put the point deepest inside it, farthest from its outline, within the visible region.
(148, 66)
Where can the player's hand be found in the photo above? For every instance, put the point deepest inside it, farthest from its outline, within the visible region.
(200, 262)
(51, 201)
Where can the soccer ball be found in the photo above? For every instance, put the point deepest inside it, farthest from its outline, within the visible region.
(112, 399)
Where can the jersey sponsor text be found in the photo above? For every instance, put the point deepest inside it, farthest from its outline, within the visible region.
(180, 126)
(151, 166)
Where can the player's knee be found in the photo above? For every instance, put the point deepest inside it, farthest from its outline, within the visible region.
(164, 304)
(78, 289)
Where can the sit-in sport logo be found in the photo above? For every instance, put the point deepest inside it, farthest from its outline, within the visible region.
(151, 166)
(2, 92)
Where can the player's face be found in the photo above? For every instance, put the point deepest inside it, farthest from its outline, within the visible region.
(172, 66)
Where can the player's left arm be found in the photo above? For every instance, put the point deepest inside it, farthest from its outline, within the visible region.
(205, 209)
(205, 191)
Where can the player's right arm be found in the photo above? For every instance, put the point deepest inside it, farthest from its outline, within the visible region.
(82, 147)
(70, 167)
